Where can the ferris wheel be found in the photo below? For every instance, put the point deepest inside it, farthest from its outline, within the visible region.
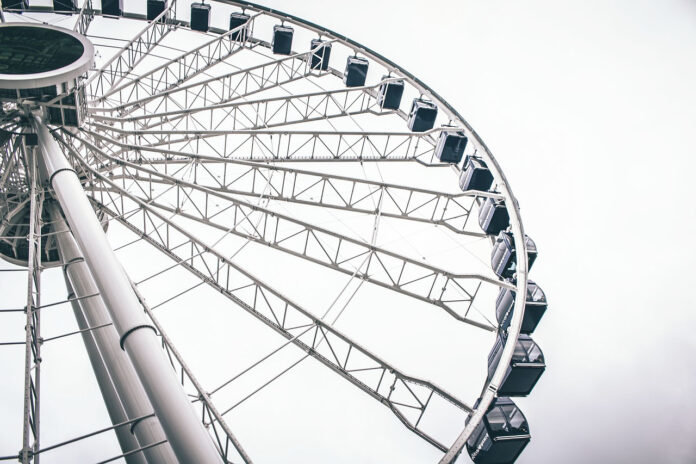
(192, 175)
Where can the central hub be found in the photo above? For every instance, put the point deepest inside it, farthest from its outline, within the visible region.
(35, 50)
(34, 56)
(42, 65)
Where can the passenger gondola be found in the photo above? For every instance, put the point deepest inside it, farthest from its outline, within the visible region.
(501, 436)
(356, 71)
(534, 308)
(525, 368)
(504, 258)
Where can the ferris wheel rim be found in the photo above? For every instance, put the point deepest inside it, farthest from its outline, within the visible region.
(511, 202)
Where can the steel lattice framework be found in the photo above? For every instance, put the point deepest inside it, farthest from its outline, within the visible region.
(195, 145)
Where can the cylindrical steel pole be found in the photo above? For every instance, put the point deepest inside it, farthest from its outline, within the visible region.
(126, 440)
(185, 432)
(130, 395)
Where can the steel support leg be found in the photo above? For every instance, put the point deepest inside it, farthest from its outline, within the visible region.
(121, 389)
(126, 440)
(32, 354)
(188, 438)
(120, 370)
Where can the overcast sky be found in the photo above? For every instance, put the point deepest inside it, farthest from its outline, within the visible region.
(589, 106)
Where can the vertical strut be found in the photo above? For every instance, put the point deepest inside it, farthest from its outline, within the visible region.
(187, 436)
(32, 355)
(126, 440)
(111, 365)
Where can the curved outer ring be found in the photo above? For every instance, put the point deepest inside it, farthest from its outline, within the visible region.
(54, 76)
(511, 206)
(490, 390)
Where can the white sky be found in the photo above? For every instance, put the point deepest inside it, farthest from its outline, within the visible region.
(588, 107)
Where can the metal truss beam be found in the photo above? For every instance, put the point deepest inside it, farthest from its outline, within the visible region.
(121, 373)
(126, 440)
(259, 114)
(408, 397)
(13, 177)
(32, 355)
(188, 438)
(237, 177)
(220, 89)
(84, 19)
(126, 59)
(178, 70)
(276, 145)
(452, 292)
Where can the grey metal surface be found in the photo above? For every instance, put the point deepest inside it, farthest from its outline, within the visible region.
(269, 306)
(31, 430)
(188, 438)
(120, 373)
(135, 90)
(127, 441)
(450, 291)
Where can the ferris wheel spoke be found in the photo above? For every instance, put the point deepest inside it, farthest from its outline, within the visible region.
(264, 113)
(84, 18)
(278, 145)
(128, 57)
(178, 138)
(263, 181)
(454, 293)
(232, 177)
(406, 396)
(12, 159)
(181, 69)
(237, 177)
(222, 89)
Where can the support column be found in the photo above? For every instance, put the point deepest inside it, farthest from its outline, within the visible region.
(121, 389)
(126, 440)
(32, 354)
(188, 438)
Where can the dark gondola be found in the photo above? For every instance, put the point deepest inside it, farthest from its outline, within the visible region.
(282, 39)
(390, 93)
(525, 368)
(155, 8)
(501, 436)
(200, 17)
(238, 20)
(450, 146)
(493, 216)
(112, 7)
(15, 4)
(475, 175)
(503, 257)
(65, 6)
(422, 115)
(534, 308)
(356, 71)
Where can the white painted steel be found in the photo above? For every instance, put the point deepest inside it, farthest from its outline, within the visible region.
(186, 434)
(126, 440)
(511, 205)
(490, 390)
(120, 370)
